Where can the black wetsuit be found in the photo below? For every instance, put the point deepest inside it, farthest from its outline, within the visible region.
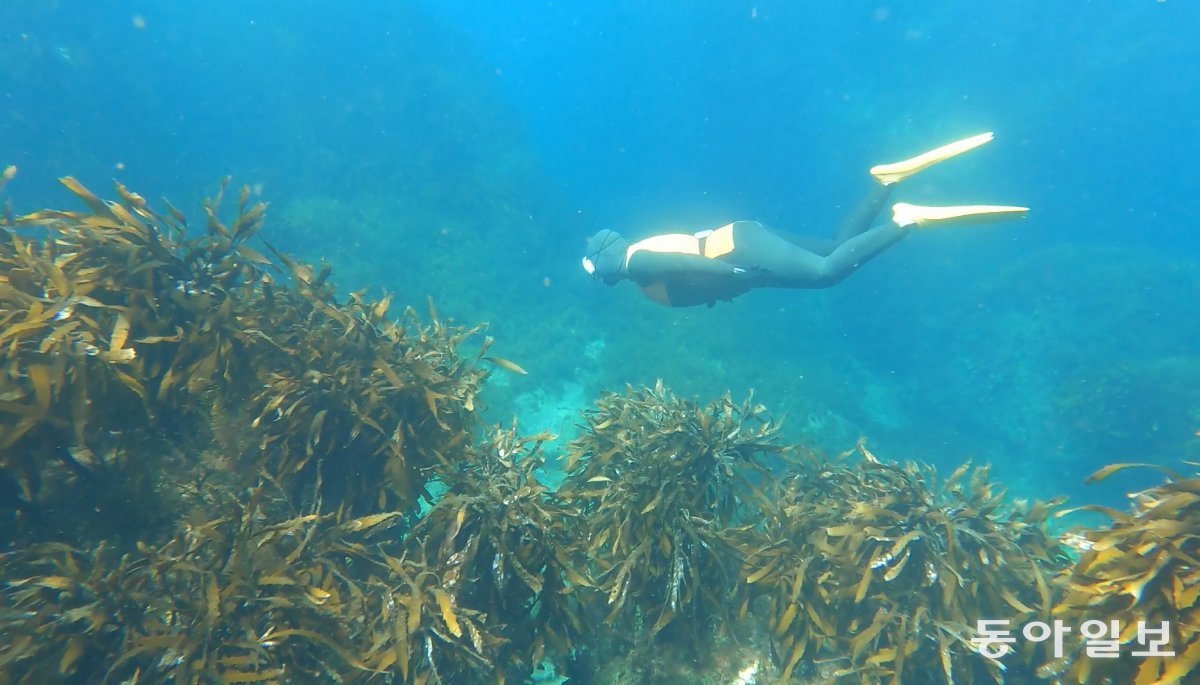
(751, 256)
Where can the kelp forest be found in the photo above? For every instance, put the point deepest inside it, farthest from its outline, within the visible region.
(216, 467)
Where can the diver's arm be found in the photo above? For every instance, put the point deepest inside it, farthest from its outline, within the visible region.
(649, 267)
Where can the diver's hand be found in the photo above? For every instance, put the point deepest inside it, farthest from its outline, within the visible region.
(749, 272)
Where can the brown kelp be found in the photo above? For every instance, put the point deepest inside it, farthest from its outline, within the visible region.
(267, 441)
(879, 573)
(242, 598)
(212, 471)
(659, 482)
(1142, 572)
(500, 542)
(120, 325)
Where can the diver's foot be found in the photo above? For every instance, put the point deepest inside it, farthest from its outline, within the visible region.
(904, 214)
(888, 174)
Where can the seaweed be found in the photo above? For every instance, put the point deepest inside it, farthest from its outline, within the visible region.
(1142, 570)
(875, 572)
(241, 598)
(501, 542)
(260, 438)
(659, 483)
(120, 327)
(214, 470)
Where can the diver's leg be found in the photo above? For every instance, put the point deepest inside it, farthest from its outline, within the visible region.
(809, 243)
(857, 221)
(863, 216)
(782, 264)
(858, 250)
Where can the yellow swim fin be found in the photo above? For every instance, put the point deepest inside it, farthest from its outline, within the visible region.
(904, 214)
(888, 174)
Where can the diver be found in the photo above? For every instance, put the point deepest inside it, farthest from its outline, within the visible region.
(684, 270)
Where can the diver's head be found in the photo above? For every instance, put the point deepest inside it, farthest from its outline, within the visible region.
(605, 256)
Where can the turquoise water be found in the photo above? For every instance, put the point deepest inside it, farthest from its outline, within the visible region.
(465, 150)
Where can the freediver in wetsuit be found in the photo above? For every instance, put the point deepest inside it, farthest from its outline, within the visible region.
(684, 270)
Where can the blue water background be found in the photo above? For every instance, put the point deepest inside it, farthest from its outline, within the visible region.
(464, 150)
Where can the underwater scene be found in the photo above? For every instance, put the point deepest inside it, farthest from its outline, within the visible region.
(636, 342)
